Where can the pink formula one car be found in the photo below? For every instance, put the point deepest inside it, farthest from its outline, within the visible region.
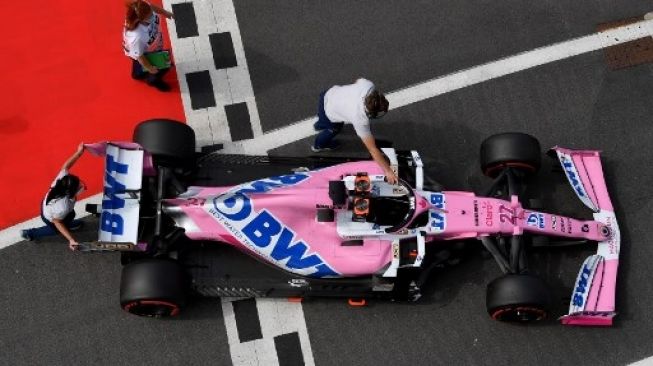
(220, 225)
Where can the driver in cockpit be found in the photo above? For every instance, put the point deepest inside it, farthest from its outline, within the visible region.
(381, 210)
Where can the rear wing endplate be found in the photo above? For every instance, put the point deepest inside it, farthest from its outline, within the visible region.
(119, 213)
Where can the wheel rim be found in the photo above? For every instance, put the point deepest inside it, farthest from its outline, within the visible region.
(520, 314)
(152, 308)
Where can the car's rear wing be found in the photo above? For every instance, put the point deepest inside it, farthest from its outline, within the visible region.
(123, 174)
(593, 297)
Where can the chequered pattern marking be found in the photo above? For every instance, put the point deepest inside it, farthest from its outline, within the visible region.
(215, 53)
(283, 336)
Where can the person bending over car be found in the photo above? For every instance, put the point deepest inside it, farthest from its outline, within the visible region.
(354, 104)
(58, 206)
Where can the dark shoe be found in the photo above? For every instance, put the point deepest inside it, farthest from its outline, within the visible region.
(333, 146)
(160, 85)
(26, 235)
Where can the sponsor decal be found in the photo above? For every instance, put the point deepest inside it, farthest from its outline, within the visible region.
(572, 174)
(562, 224)
(536, 220)
(554, 222)
(395, 249)
(574, 178)
(581, 286)
(398, 190)
(298, 282)
(111, 220)
(489, 215)
(568, 225)
(262, 232)
(475, 213)
(437, 216)
(609, 248)
(122, 174)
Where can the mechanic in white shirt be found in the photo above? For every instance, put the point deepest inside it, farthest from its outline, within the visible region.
(141, 35)
(354, 104)
(58, 206)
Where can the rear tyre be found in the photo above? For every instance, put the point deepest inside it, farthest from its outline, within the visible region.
(512, 149)
(171, 143)
(518, 298)
(153, 287)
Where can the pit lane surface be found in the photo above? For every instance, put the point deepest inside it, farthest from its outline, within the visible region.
(62, 308)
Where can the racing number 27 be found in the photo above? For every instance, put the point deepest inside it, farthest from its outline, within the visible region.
(507, 214)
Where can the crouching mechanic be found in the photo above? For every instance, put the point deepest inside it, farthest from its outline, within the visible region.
(355, 104)
(58, 206)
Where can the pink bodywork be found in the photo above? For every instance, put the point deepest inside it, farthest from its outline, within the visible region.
(295, 207)
(598, 309)
(459, 215)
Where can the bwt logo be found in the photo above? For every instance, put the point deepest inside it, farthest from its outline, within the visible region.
(265, 231)
(570, 170)
(581, 286)
(536, 220)
(438, 218)
(110, 221)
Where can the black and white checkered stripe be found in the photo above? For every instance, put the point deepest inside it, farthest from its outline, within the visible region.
(267, 332)
(219, 105)
(214, 79)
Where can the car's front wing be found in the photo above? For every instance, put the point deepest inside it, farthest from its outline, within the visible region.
(593, 298)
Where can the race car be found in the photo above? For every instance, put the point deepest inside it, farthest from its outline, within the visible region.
(245, 226)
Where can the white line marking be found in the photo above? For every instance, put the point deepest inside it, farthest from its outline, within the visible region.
(458, 80)
(644, 362)
(11, 235)
(277, 317)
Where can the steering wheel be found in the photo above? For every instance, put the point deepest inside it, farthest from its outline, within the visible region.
(411, 208)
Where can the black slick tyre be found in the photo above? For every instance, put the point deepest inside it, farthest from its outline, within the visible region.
(170, 142)
(153, 287)
(512, 149)
(518, 298)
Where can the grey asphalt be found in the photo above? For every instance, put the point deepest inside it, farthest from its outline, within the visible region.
(59, 307)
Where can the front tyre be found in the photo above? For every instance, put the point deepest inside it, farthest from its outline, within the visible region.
(518, 298)
(153, 288)
(510, 150)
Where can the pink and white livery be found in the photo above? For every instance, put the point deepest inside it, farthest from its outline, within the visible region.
(341, 230)
(593, 300)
